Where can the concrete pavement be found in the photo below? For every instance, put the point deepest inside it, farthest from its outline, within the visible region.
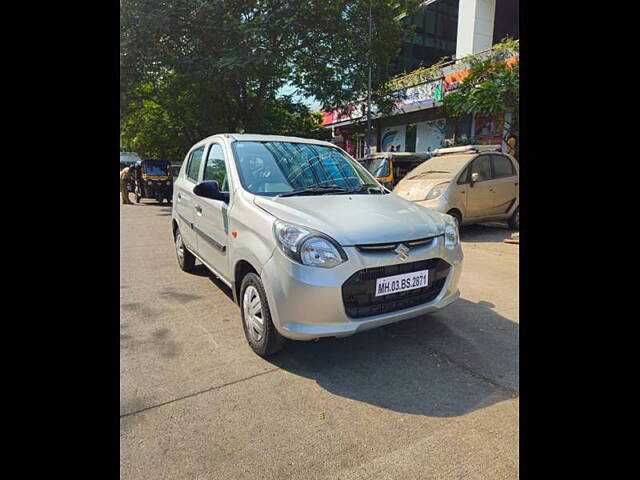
(431, 397)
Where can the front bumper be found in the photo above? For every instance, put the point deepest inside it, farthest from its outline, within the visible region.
(307, 302)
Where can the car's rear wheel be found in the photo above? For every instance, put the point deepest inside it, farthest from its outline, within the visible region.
(262, 336)
(514, 221)
(186, 260)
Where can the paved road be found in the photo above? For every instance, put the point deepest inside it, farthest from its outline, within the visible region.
(431, 397)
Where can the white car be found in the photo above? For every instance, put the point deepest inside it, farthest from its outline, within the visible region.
(310, 244)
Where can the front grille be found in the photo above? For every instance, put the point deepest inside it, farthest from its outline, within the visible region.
(389, 247)
(358, 292)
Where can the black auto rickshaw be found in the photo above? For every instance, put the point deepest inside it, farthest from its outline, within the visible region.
(153, 180)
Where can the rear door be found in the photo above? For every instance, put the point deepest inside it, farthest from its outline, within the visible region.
(183, 197)
(480, 195)
(505, 184)
(211, 216)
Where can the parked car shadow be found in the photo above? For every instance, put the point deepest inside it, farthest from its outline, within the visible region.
(419, 366)
(202, 271)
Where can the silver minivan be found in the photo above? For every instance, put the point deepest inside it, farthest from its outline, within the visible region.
(309, 242)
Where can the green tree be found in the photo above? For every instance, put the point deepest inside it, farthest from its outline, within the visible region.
(190, 68)
(490, 88)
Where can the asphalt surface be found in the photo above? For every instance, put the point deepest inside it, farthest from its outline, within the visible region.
(430, 397)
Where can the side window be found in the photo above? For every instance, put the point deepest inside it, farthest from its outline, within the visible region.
(482, 166)
(503, 167)
(464, 178)
(215, 168)
(194, 164)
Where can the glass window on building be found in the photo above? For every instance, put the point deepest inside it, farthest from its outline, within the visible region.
(507, 20)
(436, 28)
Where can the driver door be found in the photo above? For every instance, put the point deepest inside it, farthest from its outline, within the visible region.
(480, 195)
(211, 216)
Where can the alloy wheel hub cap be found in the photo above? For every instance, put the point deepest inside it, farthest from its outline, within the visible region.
(252, 309)
(179, 248)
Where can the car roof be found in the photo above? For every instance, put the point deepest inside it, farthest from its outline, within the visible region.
(254, 137)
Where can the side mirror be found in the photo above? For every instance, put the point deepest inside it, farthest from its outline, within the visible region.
(210, 189)
(474, 178)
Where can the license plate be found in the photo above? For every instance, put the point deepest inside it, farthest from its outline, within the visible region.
(402, 282)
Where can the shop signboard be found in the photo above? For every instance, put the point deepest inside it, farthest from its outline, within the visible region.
(422, 95)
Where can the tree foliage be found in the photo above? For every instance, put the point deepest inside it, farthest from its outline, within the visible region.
(191, 68)
(491, 87)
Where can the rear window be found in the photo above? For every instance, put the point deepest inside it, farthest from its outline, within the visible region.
(194, 164)
(502, 167)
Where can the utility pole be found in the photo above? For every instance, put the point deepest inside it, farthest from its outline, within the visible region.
(369, 89)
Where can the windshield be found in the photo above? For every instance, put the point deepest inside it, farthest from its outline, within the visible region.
(285, 168)
(378, 167)
(446, 166)
(157, 169)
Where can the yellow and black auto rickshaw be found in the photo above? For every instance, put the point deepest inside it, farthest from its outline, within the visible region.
(153, 180)
(389, 167)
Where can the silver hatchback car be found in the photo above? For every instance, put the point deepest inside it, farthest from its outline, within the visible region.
(309, 243)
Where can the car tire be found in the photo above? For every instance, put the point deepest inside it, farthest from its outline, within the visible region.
(261, 334)
(186, 260)
(457, 216)
(514, 221)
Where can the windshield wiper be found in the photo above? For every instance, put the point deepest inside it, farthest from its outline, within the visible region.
(316, 189)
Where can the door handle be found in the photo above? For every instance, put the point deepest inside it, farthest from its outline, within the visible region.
(179, 196)
(198, 209)
(515, 183)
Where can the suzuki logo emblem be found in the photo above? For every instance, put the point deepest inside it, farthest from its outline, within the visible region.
(403, 252)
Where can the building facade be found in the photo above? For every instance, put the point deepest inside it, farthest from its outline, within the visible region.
(453, 28)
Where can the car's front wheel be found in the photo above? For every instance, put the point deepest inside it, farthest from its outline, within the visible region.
(186, 260)
(261, 334)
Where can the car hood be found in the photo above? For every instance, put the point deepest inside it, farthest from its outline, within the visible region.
(416, 190)
(357, 219)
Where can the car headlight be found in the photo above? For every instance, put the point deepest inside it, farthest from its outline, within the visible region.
(451, 236)
(437, 191)
(168, 182)
(148, 182)
(307, 246)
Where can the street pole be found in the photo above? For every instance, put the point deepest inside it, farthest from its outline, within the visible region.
(369, 89)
